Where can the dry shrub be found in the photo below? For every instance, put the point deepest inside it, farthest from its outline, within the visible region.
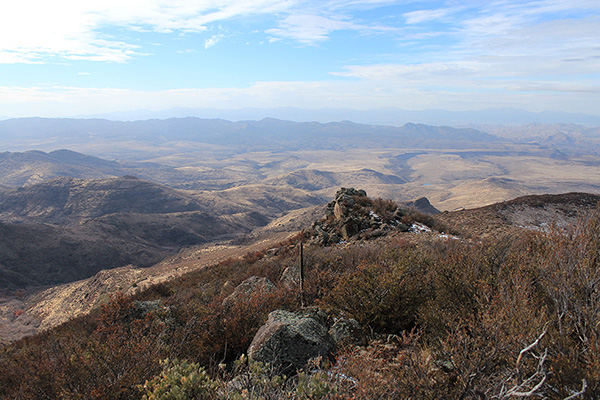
(381, 297)
(569, 266)
(397, 368)
(506, 318)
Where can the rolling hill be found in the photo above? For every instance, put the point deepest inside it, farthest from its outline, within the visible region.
(67, 229)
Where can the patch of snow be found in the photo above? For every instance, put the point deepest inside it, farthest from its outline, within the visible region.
(420, 228)
(446, 236)
(374, 215)
(542, 228)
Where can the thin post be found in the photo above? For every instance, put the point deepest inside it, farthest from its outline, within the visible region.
(301, 274)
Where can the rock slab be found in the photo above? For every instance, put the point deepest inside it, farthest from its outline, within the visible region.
(288, 340)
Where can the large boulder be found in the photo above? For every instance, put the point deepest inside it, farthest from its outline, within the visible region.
(253, 286)
(288, 340)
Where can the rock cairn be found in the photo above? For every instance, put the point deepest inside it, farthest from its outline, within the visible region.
(350, 214)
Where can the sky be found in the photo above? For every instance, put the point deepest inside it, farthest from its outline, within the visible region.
(74, 57)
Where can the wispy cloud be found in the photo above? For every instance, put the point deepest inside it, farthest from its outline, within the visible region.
(502, 46)
(359, 94)
(214, 39)
(309, 29)
(417, 17)
(433, 53)
(32, 30)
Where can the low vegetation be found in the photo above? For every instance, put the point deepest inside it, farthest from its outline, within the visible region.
(501, 318)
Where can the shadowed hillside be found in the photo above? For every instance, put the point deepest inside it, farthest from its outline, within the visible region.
(67, 229)
(70, 200)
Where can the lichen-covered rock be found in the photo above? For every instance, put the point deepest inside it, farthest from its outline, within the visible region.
(227, 289)
(347, 331)
(290, 277)
(142, 308)
(250, 287)
(288, 340)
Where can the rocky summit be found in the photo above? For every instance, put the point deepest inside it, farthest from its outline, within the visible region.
(352, 213)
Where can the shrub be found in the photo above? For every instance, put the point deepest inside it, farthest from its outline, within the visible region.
(180, 380)
(384, 297)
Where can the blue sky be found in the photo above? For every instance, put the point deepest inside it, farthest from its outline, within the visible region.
(71, 57)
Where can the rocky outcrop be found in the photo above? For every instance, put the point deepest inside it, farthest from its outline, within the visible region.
(288, 340)
(352, 213)
(290, 276)
(423, 205)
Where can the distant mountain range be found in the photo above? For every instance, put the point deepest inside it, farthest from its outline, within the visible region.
(379, 116)
(268, 134)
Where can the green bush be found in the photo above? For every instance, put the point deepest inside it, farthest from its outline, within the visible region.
(180, 380)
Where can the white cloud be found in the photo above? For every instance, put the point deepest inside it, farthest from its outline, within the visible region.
(213, 40)
(309, 29)
(500, 48)
(417, 17)
(314, 28)
(32, 30)
(401, 72)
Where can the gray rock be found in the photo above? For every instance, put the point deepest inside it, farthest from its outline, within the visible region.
(250, 287)
(291, 277)
(349, 228)
(227, 289)
(349, 192)
(335, 238)
(339, 210)
(403, 227)
(347, 331)
(378, 232)
(288, 340)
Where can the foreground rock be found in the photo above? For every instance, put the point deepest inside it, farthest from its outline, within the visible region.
(289, 340)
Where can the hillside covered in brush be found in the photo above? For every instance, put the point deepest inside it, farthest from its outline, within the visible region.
(443, 312)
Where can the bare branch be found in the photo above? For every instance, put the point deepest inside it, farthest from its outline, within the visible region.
(531, 346)
(580, 393)
(529, 393)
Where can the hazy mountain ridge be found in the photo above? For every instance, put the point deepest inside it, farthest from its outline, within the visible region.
(315, 180)
(267, 134)
(35, 166)
(386, 116)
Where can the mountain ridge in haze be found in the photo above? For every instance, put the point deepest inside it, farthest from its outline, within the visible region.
(265, 134)
(378, 116)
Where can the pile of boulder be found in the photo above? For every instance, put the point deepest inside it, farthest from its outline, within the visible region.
(347, 216)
